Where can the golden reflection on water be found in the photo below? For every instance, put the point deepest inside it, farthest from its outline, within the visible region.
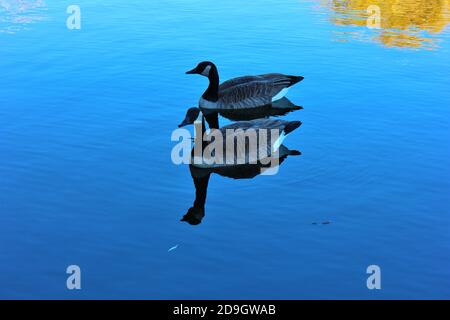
(402, 23)
(15, 15)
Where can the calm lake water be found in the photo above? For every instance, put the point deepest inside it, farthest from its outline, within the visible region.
(86, 176)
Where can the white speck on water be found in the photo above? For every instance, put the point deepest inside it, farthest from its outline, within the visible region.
(173, 248)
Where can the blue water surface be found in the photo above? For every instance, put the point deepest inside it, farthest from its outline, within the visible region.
(86, 176)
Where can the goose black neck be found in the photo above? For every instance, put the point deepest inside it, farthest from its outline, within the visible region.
(201, 186)
(203, 126)
(213, 120)
(212, 93)
(199, 133)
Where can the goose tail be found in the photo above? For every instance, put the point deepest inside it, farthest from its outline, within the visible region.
(293, 153)
(291, 126)
(294, 80)
(285, 103)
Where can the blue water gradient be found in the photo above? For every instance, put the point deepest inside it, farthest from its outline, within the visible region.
(86, 176)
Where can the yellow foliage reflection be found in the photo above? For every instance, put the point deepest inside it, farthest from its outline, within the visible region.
(403, 23)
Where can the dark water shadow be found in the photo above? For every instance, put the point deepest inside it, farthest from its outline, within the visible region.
(276, 109)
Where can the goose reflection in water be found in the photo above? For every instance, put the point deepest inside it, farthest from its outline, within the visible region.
(201, 176)
(276, 109)
(268, 153)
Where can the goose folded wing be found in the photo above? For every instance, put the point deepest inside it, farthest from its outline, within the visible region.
(255, 92)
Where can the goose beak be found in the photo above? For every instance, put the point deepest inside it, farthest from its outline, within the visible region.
(193, 71)
(184, 123)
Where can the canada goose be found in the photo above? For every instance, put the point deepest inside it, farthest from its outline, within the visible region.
(240, 131)
(201, 176)
(242, 92)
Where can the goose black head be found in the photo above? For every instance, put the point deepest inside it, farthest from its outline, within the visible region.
(203, 68)
(194, 216)
(191, 115)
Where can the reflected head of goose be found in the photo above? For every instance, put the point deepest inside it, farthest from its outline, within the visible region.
(191, 115)
(194, 216)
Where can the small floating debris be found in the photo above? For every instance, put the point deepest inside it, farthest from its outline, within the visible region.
(173, 248)
(323, 222)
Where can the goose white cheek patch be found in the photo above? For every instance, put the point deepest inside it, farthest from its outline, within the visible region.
(206, 71)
